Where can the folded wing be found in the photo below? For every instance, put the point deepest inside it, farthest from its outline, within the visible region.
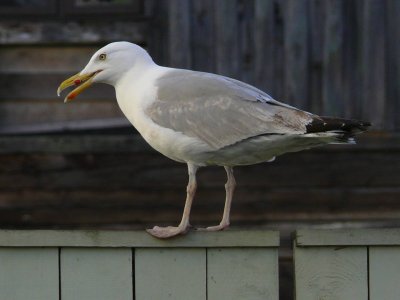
(221, 111)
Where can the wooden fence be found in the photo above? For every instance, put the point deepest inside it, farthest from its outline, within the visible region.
(360, 264)
(347, 264)
(126, 265)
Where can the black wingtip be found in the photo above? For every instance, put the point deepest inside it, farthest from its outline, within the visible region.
(323, 124)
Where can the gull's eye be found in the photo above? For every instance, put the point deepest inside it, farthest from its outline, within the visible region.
(102, 56)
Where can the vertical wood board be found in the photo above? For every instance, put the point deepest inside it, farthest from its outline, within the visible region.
(384, 273)
(179, 33)
(238, 273)
(392, 63)
(264, 59)
(332, 90)
(96, 274)
(226, 38)
(372, 64)
(331, 273)
(29, 273)
(296, 53)
(170, 273)
(202, 36)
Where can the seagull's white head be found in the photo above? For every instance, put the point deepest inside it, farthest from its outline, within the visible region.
(107, 65)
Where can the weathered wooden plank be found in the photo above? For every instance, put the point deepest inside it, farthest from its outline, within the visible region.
(242, 274)
(384, 276)
(264, 35)
(53, 32)
(101, 125)
(45, 59)
(226, 42)
(119, 143)
(169, 213)
(372, 64)
(323, 170)
(158, 38)
(348, 237)
(202, 36)
(331, 273)
(245, 37)
(316, 34)
(96, 274)
(95, 238)
(296, 53)
(392, 62)
(29, 273)
(55, 116)
(352, 58)
(279, 48)
(256, 201)
(70, 144)
(179, 44)
(44, 87)
(333, 59)
(170, 273)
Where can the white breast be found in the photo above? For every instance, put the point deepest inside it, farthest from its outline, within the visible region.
(135, 92)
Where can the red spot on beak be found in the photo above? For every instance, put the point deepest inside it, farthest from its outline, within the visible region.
(77, 81)
(72, 96)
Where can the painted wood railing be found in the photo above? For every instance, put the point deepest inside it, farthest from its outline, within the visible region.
(347, 264)
(122, 265)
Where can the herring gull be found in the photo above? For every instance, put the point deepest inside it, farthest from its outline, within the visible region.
(204, 119)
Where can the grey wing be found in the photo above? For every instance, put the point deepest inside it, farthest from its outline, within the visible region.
(221, 111)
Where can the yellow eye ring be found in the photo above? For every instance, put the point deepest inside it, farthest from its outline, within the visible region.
(102, 56)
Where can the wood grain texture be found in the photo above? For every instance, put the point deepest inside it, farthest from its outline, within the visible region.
(392, 63)
(330, 57)
(37, 86)
(127, 239)
(31, 59)
(29, 273)
(264, 46)
(96, 274)
(226, 41)
(296, 53)
(170, 274)
(55, 32)
(333, 59)
(15, 115)
(179, 33)
(202, 35)
(242, 274)
(85, 180)
(331, 273)
(373, 58)
(348, 237)
(384, 277)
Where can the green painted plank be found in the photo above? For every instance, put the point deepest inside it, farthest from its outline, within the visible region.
(331, 273)
(348, 237)
(29, 273)
(96, 274)
(384, 275)
(239, 273)
(170, 274)
(96, 238)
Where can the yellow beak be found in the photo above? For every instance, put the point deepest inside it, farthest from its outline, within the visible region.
(82, 81)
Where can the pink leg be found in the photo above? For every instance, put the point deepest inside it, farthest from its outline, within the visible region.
(183, 227)
(229, 188)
